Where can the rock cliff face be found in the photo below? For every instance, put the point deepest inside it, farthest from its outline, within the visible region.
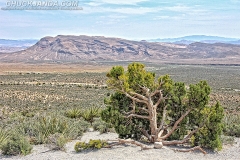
(84, 48)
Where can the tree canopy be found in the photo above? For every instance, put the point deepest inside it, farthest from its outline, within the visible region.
(160, 109)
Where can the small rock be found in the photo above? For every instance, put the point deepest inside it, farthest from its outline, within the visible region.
(90, 129)
(158, 145)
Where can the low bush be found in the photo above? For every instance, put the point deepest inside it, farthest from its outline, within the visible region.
(92, 144)
(91, 113)
(16, 144)
(73, 113)
(57, 141)
(102, 126)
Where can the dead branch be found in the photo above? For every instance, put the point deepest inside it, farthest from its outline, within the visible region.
(157, 90)
(128, 141)
(174, 142)
(143, 147)
(191, 149)
(145, 133)
(139, 96)
(145, 89)
(133, 106)
(160, 98)
(135, 99)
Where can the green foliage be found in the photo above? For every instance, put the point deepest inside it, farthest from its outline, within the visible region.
(137, 75)
(42, 127)
(47, 126)
(16, 144)
(102, 126)
(92, 144)
(179, 100)
(91, 113)
(116, 72)
(73, 113)
(126, 128)
(80, 146)
(210, 135)
(232, 125)
(3, 136)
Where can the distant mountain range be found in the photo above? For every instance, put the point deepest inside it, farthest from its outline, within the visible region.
(8, 45)
(198, 38)
(64, 48)
(17, 43)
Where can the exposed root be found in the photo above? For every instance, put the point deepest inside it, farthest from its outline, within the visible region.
(145, 147)
(123, 141)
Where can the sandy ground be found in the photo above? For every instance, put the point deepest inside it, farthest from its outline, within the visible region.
(121, 152)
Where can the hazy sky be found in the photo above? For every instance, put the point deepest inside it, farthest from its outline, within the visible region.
(131, 19)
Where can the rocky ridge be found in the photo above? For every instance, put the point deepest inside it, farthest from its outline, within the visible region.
(64, 48)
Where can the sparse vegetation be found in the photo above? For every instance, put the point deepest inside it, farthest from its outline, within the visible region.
(28, 96)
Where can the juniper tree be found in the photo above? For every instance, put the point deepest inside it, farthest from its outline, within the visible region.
(160, 109)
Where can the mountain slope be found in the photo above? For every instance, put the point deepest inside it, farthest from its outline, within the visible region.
(85, 48)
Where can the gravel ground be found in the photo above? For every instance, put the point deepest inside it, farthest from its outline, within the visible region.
(130, 152)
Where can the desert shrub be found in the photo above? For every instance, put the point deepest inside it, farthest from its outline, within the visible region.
(232, 125)
(91, 113)
(101, 126)
(80, 146)
(76, 128)
(41, 127)
(73, 113)
(16, 144)
(47, 126)
(209, 136)
(92, 144)
(57, 141)
(96, 143)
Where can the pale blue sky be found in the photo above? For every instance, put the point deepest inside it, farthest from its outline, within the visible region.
(131, 19)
